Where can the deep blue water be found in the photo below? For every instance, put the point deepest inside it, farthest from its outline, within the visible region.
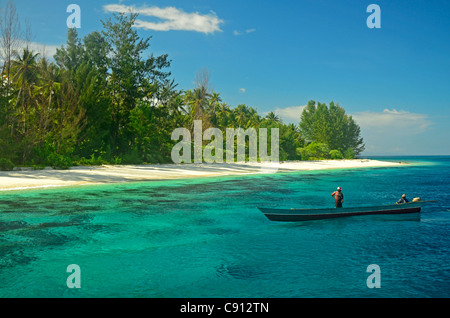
(206, 238)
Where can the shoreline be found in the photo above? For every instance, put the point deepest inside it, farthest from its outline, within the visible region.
(28, 178)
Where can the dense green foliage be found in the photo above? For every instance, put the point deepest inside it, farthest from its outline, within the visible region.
(332, 133)
(102, 100)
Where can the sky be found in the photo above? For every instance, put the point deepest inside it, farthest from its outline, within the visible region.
(278, 55)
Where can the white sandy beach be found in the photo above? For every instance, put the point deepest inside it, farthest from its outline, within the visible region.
(27, 178)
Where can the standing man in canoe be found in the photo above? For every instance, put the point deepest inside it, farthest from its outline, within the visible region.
(338, 197)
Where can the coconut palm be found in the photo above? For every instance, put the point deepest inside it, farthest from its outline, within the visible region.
(224, 114)
(272, 116)
(242, 113)
(214, 102)
(49, 83)
(197, 102)
(47, 88)
(24, 68)
(253, 118)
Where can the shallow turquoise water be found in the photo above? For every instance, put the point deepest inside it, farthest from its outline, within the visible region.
(205, 237)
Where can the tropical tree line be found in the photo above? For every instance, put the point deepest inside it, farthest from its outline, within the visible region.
(330, 133)
(103, 99)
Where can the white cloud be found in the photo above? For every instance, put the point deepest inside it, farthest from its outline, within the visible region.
(388, 132)
(242, 90)
(44, 49)
(400, 121)
(290, 114)
(393, 132)
(236, 32)
(171, 18)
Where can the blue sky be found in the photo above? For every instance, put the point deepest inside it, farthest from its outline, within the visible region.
(278, 55)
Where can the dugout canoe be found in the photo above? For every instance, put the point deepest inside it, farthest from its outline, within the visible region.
(296, 215)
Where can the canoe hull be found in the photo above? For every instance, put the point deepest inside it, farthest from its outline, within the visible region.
(297, 215)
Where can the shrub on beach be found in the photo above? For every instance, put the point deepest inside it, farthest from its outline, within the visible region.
(59, 161)
(314, 151)
(349, 154)
(336, 154)
(6, 164)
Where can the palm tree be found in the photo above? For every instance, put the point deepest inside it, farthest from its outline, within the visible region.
(254, 118)
(197, 101)
(214, 102)
(201, 101)
(223, 115)
(49, 79)
(25, 76)
(242, 114)
(273, 117)
(48, 86)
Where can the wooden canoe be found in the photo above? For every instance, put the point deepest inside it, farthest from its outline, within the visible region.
(296, 215)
